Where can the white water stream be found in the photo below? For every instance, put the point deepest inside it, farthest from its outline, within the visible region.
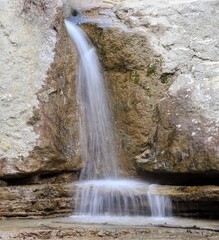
(96, 134)
(101, 192)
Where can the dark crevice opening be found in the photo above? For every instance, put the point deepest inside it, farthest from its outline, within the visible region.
(185, 179)
(39, 178)
(196, 209)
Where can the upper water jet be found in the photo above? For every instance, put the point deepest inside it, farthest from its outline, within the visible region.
(96, 133)
(102, 191)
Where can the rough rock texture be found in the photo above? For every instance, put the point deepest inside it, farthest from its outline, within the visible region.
(38, 126)
(36, 201)
(63, 228)
(58, 199)
(187, 135)
(133, 76)
(160, 60)
(134, 94)
(147, 48)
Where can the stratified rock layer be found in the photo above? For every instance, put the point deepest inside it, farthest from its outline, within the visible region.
(50, 200)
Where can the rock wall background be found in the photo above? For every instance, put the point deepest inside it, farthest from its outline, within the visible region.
(38, 125)
(160, 60)
(187, 136)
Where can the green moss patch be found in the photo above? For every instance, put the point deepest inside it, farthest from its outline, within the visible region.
(151, 69)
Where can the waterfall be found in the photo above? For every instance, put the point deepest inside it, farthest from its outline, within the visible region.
(96, 134)
(100, 190)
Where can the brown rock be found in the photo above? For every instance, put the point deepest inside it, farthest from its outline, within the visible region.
(163, 79)
(50, 200)
(133, 79)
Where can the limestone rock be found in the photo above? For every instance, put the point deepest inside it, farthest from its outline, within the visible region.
(161, 62)
(36, 200)
(38, 127)
(187, 135)
(65, 228)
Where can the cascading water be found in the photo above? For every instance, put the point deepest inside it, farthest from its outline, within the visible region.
(96, 138)
(101, 191)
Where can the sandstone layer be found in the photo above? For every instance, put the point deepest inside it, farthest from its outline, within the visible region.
(58, 199)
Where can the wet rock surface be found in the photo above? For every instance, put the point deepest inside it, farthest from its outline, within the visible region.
(161, 62)
(162, 76)
(133, 80)
(161, 72)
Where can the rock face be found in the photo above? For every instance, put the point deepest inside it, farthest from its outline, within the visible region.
(160, 60)
(187, 134)
(58, 199)
(38, 126)
(161, 63)
(161, 68)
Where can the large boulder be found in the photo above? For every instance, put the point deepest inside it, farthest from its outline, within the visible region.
(38, 126)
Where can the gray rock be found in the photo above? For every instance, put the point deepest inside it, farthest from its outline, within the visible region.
(37, 68)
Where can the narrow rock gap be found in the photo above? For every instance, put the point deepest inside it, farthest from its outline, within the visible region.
(185, 179)
(41, 178)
